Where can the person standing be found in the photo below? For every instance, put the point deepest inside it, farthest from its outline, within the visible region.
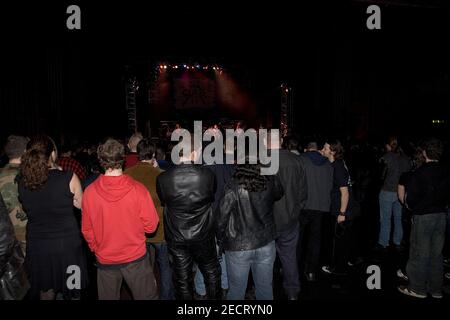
(319, 182)
(146, 172)
(187, 193)
(15, 147)
(223, 174)
(343, 210)
(13, 278)
(246, 230)
(286, 213)
(117, 212)
(427, 196)
(395, 163)
(54, 243)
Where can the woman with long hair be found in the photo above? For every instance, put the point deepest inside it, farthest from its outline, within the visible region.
(246, 230)
(55, 259)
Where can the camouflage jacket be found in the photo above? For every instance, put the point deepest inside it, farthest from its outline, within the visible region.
(10, 194)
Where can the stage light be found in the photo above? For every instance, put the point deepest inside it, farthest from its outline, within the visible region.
(184, 65)
(198, 67)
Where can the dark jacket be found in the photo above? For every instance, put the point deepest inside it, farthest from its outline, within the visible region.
(245, 219)
(319, 179)
(428, 190)
(223, 173)
(13, 279)
(292, 176)
(187, 193)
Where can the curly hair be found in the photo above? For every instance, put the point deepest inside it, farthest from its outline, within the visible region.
(249, 176)
(111, 154)
(34, 166)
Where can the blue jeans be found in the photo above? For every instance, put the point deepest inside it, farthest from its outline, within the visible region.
(166, 290)
(199, 281)
(389, 205)
(425, 265)
(261, 263)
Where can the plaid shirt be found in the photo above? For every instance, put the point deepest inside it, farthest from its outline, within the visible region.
(69, 164)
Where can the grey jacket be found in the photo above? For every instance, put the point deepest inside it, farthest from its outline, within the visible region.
(395, 164)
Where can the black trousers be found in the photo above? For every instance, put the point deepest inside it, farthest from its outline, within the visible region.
(310, 239)
(182, 257)
(286, 245)
(343, 245)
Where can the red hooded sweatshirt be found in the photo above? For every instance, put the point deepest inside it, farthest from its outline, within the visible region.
(116, 214)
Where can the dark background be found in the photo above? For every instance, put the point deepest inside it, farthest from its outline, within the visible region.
(347, 80)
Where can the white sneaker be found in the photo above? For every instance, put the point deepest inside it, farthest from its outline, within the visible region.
(401, 275)
(437, 295)
(409, 292)
(447, 262)
(327, 269)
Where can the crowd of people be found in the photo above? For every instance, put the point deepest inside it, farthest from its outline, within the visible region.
(191, 231)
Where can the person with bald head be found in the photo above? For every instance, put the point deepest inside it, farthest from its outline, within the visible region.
(132, 157)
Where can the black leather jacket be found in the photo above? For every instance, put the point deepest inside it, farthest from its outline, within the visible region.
(245, 219)
(13, 278)
(187, 193)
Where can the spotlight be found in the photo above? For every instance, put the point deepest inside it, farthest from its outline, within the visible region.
(198, 67)
(165, 67)
(184, 65)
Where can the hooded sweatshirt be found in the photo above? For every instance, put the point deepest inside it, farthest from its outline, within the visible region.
(319, 180)
(116, 214)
